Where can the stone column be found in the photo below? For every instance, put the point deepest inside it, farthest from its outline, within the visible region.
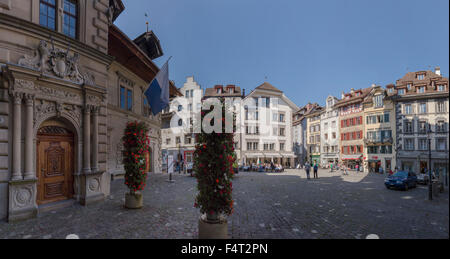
(87, 139)
(17, 130)
(95, 112)
(29, 172)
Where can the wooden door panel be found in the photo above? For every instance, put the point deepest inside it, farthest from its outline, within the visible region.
(54, 168)
(53, 190)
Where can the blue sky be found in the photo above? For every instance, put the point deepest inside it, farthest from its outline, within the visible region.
(308, 49)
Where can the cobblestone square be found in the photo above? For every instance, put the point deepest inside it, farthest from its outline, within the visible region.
(273, 206)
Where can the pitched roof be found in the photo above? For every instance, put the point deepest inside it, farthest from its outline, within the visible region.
(212, 92)
(128, 54)
(267, 86)
(409, 84)
(412, 77)
(307, 110)
(352, 97)
(149, 43)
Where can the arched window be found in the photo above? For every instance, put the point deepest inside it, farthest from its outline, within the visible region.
(70, 21)
(180, 122)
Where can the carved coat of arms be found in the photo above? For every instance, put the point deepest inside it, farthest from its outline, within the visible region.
(57, 62)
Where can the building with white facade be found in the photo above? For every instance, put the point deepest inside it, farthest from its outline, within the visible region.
(267, 134)
(329, 134)
(178, 139)
(299, 129)
(234, 94)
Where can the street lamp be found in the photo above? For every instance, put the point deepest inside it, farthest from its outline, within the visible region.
(430, 186)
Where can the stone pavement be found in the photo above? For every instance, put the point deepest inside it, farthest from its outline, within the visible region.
(276, 206)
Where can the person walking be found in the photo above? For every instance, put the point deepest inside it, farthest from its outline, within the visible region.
(316, 169)
(357, 168)
(380, 170)
(307, 168)
(331, 167)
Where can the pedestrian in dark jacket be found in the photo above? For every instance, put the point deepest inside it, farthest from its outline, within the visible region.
(307, 168)
(316, 169)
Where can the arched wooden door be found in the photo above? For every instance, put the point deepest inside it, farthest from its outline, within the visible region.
(55, 164)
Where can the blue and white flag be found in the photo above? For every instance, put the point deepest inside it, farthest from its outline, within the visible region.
(158, 92)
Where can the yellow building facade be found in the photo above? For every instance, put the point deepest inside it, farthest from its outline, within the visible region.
(379, 131)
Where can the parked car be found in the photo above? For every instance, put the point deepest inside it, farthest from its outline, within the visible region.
(401, 180)
(422, 179)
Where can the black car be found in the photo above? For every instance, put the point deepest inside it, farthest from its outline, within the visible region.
(401, 180)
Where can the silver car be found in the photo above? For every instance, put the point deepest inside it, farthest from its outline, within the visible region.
(422, 179)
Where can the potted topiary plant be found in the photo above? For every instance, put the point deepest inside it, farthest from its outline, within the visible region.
(213, 166)
(136, 146)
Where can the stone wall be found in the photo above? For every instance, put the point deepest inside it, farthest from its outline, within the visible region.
(93, 18)
(118, 118)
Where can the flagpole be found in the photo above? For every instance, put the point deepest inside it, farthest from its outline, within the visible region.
(168, 60)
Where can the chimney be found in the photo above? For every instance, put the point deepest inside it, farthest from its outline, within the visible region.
(374, 85)
(352, 91)
(343, 95)
(243, 93)
(437, 71)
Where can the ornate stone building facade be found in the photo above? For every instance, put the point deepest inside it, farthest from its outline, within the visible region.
(60, 115)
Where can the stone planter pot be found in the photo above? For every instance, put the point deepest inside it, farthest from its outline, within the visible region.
(212, 226)
(212, 217)
(133, 201)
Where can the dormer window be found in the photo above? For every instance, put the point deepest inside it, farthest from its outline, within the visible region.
(441, 88)
(230, 89)
(330, 103)
(420, 76)
(378, 101)
(408, 86)
(421, 89)
(391, 90)
(401, 91)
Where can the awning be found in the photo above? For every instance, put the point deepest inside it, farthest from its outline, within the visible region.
(351, 158)
(255, 155)
(272, 155)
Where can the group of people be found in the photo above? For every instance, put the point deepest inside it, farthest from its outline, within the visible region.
(264, 167)
(315, 168)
